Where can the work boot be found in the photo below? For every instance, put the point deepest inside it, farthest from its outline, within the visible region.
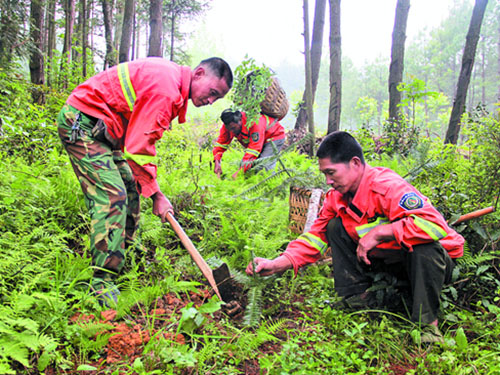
(362, 301)
(106, 292)
(431, 334)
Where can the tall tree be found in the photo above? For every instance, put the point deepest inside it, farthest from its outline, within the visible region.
(36, 57)
(84, 35)
(397, 58)
(50, 27)
(107, 11)
(309, 95)
(465, 72)
(69, 15)
(128, 22)
(334, 108)
(316, 50)
(155, 24)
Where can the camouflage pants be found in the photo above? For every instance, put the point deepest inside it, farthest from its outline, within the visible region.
(109, 189)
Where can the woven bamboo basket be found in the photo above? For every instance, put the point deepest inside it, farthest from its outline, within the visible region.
(275, 103)
(299, 207)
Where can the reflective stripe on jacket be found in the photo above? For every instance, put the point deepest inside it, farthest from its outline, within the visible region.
(382, 197)
(137, 101)
(265, 130)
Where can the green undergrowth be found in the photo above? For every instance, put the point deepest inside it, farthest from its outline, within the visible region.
(46, 268)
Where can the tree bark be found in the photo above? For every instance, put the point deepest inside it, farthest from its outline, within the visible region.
(397, 58)
(84, 38)
(309, 95)
(465, 72)
(134, 29)
(316, 50)
(172, 31)
(69, 10)
(36, 56)
(107, 11)
(155, 24)
(128, 22)
(51, 26)
(335, 68)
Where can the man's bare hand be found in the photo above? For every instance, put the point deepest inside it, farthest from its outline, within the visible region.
(266, 267)
(161, 205)
(372, 239)
(217, 168)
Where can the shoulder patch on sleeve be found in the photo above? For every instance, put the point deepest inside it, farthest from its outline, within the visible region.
(255, 136)
(411, 201)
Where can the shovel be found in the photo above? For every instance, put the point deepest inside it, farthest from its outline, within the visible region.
(219, 279)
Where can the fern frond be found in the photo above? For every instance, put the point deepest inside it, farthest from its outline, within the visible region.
(272, 326)
(16, 351)
(260, 185)
(253, 310)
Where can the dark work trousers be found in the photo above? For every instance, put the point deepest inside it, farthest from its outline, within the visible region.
(428, 267)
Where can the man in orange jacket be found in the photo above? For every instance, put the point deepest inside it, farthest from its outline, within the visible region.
(373, 220)
(261, 139)
(109, 127)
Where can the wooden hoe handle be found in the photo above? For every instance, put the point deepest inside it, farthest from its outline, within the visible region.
(198, 259)
(474, 214)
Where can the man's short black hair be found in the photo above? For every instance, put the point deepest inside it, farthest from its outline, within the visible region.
(220, 68)
(340, 147)
(227, 116)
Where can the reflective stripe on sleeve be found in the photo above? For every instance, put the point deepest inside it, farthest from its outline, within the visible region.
(363, 230)
(139, 159)
(314, 241)
(252, 152)
(221, 145)
(126, 84)
(433, 230)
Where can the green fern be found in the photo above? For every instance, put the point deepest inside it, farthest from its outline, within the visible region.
(253, 309)
(249, 342)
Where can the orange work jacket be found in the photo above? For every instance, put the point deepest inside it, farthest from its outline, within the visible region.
(383, 197)
(137, 101)
(253, 138)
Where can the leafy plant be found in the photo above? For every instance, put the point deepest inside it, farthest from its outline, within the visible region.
(250, 85)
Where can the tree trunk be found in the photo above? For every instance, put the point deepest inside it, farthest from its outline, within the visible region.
(138, 38)
(155, 24)
(84, 38)
(397, 58)
(128, 22)
(107, 11)
(51, 36)
(117, 24)
(69, 9)
(134, 30)
(316, 50)
(465, 72)
(483, 73)
(172, 31)
(36, 56)
(309, 95)
(51, 28)
(335, 68)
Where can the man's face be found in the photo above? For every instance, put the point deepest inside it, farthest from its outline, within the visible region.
(206, 88)
(234, 127)
(343, 177)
